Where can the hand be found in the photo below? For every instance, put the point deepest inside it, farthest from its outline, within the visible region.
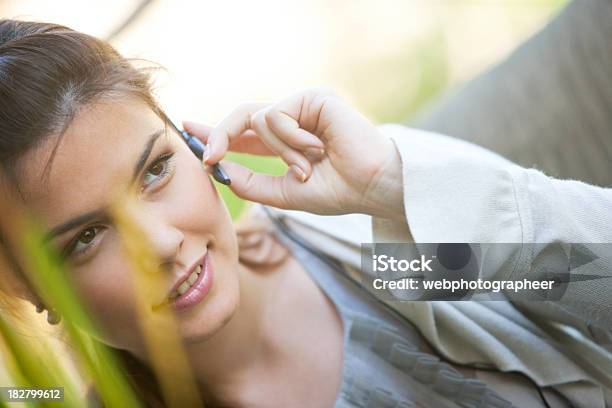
(339, 162)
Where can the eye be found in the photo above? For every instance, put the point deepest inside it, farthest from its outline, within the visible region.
(87, 236)
(157, 171)
(84, 241)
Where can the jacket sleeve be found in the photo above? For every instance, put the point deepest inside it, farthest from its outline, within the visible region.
(455, 191)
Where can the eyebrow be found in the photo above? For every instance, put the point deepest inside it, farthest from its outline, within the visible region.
(75, 222)
(101, 213)
(144, 156)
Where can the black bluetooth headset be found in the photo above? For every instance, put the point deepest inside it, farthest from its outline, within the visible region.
(197, 147)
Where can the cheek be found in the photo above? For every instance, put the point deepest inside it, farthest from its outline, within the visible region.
(190, 203)
(106, 288)
(196, 204)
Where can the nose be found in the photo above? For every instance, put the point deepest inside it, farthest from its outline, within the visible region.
(166, 240)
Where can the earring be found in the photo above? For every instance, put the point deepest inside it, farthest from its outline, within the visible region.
(52, 316)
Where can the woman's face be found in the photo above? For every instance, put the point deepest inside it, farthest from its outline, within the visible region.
(180, 212)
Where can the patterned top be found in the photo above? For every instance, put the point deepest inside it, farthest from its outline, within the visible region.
(386, 364)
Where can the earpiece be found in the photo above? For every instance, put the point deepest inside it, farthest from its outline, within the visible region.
(197, 147)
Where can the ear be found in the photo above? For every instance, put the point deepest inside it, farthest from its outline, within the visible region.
(258, 247)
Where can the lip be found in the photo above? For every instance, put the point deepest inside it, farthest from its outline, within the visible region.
(200, 287)
(187, 273)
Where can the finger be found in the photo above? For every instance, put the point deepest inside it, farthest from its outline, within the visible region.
(199, 130)
(261, 188)
(250, 143)
(306, 107)
(231, 127)
(289, 131)
(293, 158)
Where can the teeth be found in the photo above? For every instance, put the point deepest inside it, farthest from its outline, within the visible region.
(183, 288)
(192, 278)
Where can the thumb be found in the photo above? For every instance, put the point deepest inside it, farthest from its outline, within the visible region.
(262, 188)
(199, 130)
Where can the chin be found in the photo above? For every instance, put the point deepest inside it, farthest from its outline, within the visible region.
(216, 311)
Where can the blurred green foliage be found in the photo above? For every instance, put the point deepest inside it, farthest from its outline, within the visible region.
(35, 365)
(394, 87)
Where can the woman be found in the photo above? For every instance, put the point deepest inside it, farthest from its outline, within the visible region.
(82, 122)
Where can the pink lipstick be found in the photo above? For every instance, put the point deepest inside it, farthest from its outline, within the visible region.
(193, 289)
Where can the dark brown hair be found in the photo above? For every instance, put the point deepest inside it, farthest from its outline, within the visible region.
(47, 73)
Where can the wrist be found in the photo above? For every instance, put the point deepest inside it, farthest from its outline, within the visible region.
(384, 196)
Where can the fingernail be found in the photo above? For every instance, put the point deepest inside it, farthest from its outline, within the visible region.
(299, 173)
(314, 151)
(206, 154)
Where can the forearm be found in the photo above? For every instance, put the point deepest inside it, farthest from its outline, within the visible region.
(458, 192)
